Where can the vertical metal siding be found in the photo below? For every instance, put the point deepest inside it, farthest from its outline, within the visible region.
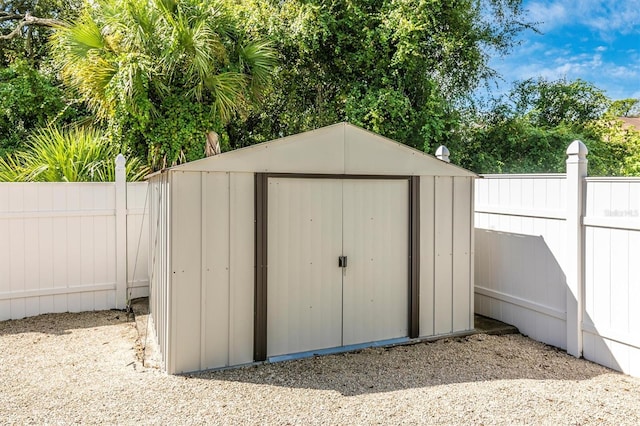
(167, 307)
(461, 232)
(427, 239)
(185, 290)
(241, 270)
(159, 266)
(226, 335)
(154, 282)
(304, 284)
(214, 334)
(375, 237)
(204, 307)
(312, 303)
(443, 272)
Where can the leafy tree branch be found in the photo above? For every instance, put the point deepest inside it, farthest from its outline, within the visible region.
(21, 21)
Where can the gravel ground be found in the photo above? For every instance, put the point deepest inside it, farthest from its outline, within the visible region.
(85, 368)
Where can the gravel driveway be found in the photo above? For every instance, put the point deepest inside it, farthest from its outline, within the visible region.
(85, 368)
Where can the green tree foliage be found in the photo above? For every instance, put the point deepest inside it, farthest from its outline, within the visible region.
(616, 151)
(528, 131)
(625, 108)
(551, 103)
(73, 155)
(396, 67)
(29, 99)
(25, 27)
(162, 73)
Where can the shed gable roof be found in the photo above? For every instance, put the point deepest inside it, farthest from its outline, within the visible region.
(338, 149)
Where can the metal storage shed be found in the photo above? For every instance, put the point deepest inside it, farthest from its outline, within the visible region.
(333, 238)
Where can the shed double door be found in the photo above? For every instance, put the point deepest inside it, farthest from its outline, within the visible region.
(313, 302)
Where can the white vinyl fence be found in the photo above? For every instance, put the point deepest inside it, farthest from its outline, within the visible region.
(556, 255)
(559, 257)
(69, 247)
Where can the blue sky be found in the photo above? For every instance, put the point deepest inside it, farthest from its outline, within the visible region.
(596, 41)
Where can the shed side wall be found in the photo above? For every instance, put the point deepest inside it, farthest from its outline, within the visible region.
(159, 260)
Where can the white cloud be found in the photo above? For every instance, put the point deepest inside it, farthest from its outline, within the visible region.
(601, 48)
(547, 14)
(529, 47)
(599, 15)
(582, 66)
(623, 72)
(618, 80)
(557, 52)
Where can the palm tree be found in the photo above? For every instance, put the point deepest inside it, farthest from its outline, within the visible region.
(134, 61)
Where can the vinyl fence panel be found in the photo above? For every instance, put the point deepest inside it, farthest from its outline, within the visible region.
(523, 258)
(611, 321)
(59, 248)
(519, 249)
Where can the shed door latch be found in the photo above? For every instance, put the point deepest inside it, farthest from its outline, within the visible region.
(342, 261)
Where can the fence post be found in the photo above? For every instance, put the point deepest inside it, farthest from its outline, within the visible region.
(121, 233)
(576, 172)
(442, 154)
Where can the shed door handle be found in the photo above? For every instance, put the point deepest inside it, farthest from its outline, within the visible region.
(342, 261)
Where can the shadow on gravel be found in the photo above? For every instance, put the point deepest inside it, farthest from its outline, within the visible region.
(449, 361)
(61, 323)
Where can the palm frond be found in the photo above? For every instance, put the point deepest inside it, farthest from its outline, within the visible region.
(227, 90)
(259, 59)
(81, 154)
(129, 55)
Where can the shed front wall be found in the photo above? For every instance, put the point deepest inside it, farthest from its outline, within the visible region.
(208, 310)
(212, 270)
(446, 255)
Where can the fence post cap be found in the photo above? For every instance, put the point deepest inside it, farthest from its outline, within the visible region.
(442, 153)
(577, 148)
(120, 161)
(442, 150)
